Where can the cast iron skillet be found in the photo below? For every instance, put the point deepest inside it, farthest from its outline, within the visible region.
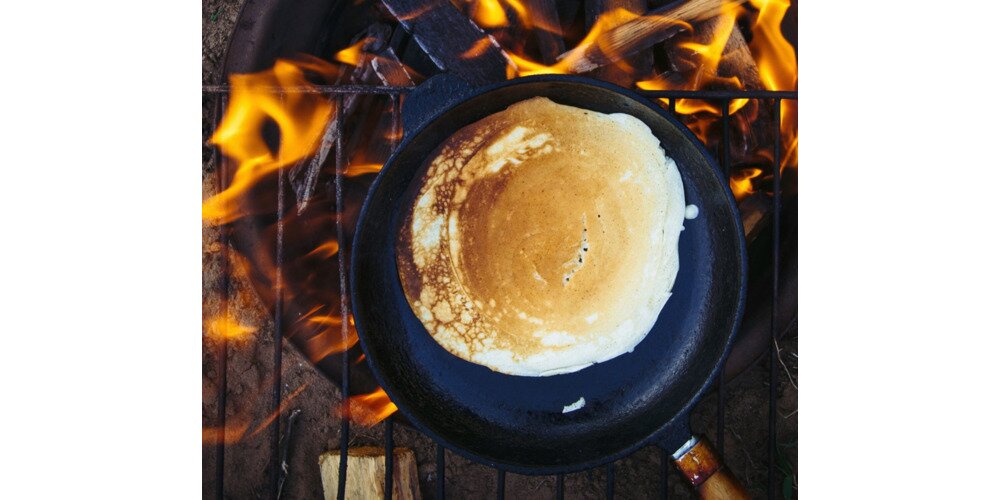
(516, 423)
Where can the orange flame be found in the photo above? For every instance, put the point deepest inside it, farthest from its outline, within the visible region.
(225, 327)
(741, 182)
(607, 21)
(708, 56)
(362, 169)
(368, 409)
(326, 250)
(489, 14)
(232, 433)
(778, 68)
(331, 338)
(352, 55)
(300, 117)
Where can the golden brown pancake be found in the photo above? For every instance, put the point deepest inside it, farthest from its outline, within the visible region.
(543, 238)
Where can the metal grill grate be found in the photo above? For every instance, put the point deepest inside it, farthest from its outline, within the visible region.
(337, 93)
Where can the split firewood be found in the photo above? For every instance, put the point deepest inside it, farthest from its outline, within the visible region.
(736, 57)
(750, 126)
(640, 33)
(366, 474)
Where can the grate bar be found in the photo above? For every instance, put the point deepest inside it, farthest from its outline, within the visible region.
(285, 449)
(440, 472)
(772, 431)
(721, 94)
(397, 121)
(724, 151)
(345, 388)
(279, 259)
(220, 446)
(609, 491)
(391, 90)
(501, 483)
(665, 465)
(720, 422)
(315, 89)
(560, 486)
(720, 418)
(389, 444)
(389, 447)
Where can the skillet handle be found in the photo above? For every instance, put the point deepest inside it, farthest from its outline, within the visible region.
(699, 463)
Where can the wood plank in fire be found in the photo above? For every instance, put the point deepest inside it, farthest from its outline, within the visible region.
(640, 33)
(641, 62)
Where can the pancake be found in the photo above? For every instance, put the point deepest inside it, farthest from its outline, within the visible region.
(543, 238)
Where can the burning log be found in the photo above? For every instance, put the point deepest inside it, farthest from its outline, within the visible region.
(736, 57)
(366, 473)
(716, 55)
(640, 33)
(737, 61)
(640, 63)
(451, 40)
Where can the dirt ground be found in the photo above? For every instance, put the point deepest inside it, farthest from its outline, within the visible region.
(249, 367)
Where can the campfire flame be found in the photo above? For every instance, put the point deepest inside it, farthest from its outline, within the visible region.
(742, 182)
(326, 250)
(368, 409)
(330, 338)
(351, 55)
(489, 14)
(779, 69)
(232, 433)
(363, 169)
(224, 327)
(272, 100)
(300, 118)
(709, 56)
(525, 66)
